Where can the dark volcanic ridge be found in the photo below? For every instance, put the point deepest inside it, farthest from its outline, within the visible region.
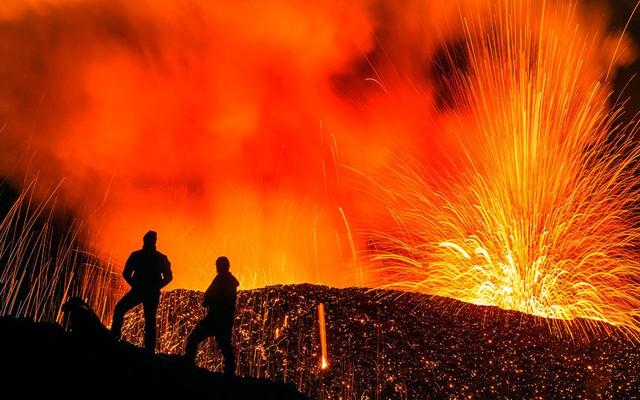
(42, 359)
(396, 345)
(381, 345)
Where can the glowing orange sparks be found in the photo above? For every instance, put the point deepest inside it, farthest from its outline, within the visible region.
(536, 211)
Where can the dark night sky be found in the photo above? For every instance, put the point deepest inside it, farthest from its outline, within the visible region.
(628, 76)
(627, 80)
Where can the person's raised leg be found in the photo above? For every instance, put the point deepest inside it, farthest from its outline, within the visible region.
(126, 303)
(199, 333)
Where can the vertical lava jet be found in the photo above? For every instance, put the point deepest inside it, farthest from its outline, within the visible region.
(533, 207)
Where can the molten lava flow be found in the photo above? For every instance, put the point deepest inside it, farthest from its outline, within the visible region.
(535, 210)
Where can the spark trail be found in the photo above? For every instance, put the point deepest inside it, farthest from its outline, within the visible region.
(533, 210)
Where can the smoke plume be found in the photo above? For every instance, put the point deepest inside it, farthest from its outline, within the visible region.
(240, 128)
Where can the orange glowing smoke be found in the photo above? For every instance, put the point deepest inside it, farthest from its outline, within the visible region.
(232, 133)
(211, 122)
(216, 124)
(536, 213)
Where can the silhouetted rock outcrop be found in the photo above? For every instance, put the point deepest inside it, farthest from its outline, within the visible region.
(42, 359)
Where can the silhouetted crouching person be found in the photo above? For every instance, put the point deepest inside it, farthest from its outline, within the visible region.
(220, 298)
(146, 271)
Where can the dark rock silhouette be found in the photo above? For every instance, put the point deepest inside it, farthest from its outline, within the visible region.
(44, 359)
(84, 323)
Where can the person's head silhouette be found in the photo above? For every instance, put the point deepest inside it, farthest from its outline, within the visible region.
(222, 264)
(150, 239)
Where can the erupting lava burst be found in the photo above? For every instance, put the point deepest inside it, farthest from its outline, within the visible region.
(534, 209)
(496, 169)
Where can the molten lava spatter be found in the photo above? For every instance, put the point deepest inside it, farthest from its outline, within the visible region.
(536, 212)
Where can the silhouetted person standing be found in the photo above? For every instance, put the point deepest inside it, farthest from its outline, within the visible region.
(146, 271)
(220, 298)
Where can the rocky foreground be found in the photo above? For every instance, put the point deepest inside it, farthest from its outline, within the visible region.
(391, 345)
(43, 360)
(380, 345)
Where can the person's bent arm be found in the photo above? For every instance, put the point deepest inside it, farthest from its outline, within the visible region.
(167, 275)
(127, 273)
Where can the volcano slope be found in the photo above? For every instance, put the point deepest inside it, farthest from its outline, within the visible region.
(43, 360)
(384, 344)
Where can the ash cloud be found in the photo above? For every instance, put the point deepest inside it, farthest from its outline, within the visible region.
(218, 125)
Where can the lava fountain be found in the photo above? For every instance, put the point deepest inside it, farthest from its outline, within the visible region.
(532, 205)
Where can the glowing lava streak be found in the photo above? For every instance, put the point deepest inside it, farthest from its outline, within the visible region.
(324, 362)
(536, 211)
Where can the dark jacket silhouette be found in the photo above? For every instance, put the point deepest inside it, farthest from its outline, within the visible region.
(146, 271)
(220, 298)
